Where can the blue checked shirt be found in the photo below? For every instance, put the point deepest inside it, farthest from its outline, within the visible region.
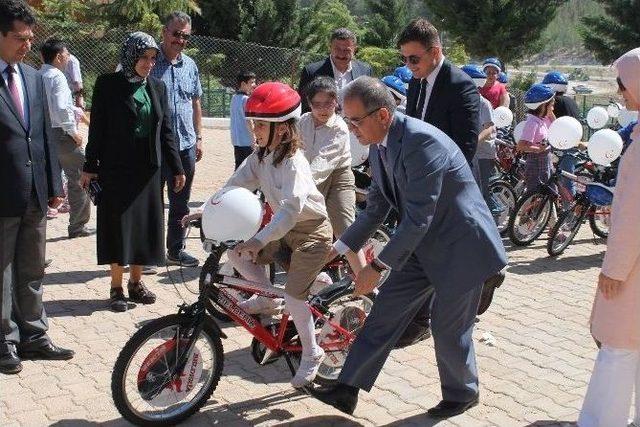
(183, 85)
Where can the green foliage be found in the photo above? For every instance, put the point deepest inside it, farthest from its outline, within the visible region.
(456, 53)
(271, 23)
(128, 12)
(611, 35)
(385, 20)
(383, 61)
(222, 18)
(321, 18)
(578, 74)
(509, 29)
(523, 81)
(563, 32)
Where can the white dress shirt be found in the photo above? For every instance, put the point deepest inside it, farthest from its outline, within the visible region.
(342, 79)
(326, 146)
(431, 79)
(288, 188)
(17, 76)
(59, 99)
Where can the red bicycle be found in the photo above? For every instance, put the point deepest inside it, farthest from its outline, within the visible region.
(171, 366)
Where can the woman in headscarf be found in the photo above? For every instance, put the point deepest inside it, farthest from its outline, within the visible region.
(615, 319)
(130, 132)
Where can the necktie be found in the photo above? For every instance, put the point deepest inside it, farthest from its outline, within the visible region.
(421, 99)
(13, 90)
(383, 155)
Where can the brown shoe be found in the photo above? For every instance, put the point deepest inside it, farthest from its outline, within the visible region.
(138, 292)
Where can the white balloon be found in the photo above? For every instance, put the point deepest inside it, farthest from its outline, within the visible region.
(564, 133)
(359, 152)
(613, 110)
(517, 131)
(597, 117)
(233, 213)
(502, 117)
(604, 146)
(625, 117)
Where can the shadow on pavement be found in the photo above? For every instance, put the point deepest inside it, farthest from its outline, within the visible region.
(75, 307)
(564, 263)
(73, 277)
(178, 275)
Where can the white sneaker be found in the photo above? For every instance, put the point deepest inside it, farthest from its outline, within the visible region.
(259, 304)
(307, 371)
(322, 280)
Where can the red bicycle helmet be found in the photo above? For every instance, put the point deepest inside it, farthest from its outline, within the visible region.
(273, 102)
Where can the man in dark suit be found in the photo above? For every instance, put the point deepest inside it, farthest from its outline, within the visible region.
(30, 174)
(443, 95)
(446, 240)
(339, 65)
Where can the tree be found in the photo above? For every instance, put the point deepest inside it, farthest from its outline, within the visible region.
(221, 18)
(146, 14)
(509, 29)
(611, 35)
(323, 17)
(385, 20)
(271, 23)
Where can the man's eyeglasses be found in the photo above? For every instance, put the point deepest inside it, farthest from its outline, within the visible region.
(181, 35)
(620, 85)
(414, 59)
(357, 122)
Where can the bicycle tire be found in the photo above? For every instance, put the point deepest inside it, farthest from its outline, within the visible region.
(508, 196)
(522, 203)
(565, 217)
(118, 377)
(597, 230)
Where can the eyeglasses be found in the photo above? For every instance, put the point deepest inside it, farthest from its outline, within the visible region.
(323, 105)
(414, 59)
(620, 85)
(357, 122)
(181, 35)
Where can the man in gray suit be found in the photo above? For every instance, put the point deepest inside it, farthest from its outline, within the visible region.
(30, 177)
(446, 241)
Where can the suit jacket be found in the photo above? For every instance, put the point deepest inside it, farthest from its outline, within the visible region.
(324, 68)
(28, 161)
(453, 107)
(444, 220)
(112, 129)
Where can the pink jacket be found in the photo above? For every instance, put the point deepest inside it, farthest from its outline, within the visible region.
(616, 322)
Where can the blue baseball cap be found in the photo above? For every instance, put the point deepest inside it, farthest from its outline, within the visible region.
(476, 73)
(556, 81)
(404, 73)
(503, 77)
(395, 86)
(537, 95)
(492, 62)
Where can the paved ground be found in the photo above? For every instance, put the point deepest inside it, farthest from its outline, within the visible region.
(534, 374)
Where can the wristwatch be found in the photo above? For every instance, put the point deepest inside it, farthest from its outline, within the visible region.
(377, 266)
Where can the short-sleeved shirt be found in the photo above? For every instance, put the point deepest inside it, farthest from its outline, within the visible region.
(535, 129)
(494, 93)
(183, 86)
(240, 134)
(72, 72)
(486, 149)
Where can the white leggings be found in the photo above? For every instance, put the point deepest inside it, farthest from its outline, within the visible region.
(302, 316)
(608, 401)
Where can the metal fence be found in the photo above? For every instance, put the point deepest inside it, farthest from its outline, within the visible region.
(219, 61)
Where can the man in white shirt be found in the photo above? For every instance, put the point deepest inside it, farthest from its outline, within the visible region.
(74, 78)
(339, 65)
(65, 133)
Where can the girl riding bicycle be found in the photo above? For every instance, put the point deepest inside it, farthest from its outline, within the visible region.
(299, 235)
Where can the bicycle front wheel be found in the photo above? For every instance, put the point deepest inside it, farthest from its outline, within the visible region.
(566, 229)
(529, 218)
(505, 197)
(159, 379)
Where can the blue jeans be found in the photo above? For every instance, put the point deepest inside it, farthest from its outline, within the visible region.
(178, 202)
(486, 169)
(567, 163)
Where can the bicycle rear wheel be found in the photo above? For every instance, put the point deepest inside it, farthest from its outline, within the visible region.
(505, 197)
(599, 221)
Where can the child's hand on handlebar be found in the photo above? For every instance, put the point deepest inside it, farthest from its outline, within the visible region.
(188, 218)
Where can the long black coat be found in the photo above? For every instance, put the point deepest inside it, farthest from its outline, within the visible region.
(130, 210)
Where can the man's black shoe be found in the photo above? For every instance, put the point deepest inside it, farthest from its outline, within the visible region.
(84, 232)
(10, 362)
(448, 408)
(489, 286)
(341, 396)
(48, 351)
(416, 331)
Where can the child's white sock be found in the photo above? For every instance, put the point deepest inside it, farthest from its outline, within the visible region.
(312, 353)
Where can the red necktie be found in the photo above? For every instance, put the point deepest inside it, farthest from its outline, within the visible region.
(13, 90)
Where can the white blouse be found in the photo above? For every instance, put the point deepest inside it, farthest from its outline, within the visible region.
(288, 188)
(326, 147)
